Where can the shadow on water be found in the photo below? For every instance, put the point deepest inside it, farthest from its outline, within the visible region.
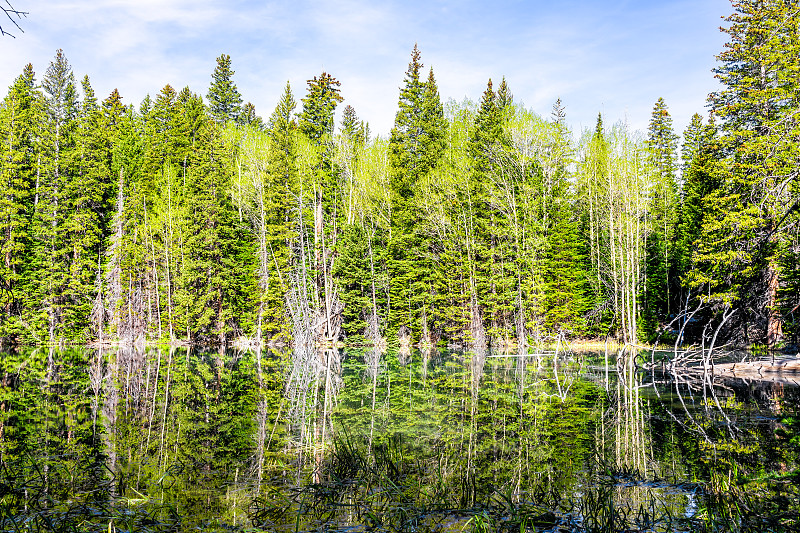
(372, 440)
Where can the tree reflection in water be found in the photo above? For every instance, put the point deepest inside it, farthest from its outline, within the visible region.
(158, 438)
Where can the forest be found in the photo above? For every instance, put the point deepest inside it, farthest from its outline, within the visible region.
(190, 219)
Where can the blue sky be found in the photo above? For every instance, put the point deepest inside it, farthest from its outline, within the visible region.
(614, 57)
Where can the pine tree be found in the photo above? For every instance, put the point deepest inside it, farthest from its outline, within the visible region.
(316, 119)
(661, 277)
(218, 258)
(125, 253)
(87, 202)
(566, 284)
(593, 171)
(249, 117)
(280, 228)
(691, 144)
(482, 242)
(700, 179)
(415, 147)
(168, 135)
(224, 100)
(504, 97)
(743, 234)
(566, 288)
(353, 129)
(20, 118)
(51, 256)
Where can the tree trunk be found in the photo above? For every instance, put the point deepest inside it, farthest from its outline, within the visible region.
(774, 326)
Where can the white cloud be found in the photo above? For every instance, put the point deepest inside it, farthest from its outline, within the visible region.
(596, 55)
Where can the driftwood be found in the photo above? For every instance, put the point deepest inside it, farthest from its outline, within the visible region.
(778, 371)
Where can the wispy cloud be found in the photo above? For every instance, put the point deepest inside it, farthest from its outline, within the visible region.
(598, 56)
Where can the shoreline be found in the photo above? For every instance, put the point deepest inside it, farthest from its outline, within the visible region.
(245, 344)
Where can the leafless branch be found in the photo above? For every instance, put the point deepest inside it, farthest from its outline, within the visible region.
(10, 13)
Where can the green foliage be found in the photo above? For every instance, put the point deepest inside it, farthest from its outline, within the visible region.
(749, 211)
(224, 100)
(20, 118)
(51, 253)
(478, 223)
(216, 272)
(661, 285)
(316, 118)
(415, 148)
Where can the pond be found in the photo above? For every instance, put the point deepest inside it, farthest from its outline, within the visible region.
(167, 439)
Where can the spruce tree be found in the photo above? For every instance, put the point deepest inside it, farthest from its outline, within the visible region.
(51, 255)
(415, 147)
(504, 97)
(224, 100)
(482, 253)
(281, 185)
(661, 285)
(87, 202)
(745, 229)
(20, 118)
(566, 298)
(593, 190)
(691, 144)
(567, 290)
(316, 119)
(353, 129)
(250, 118)
(700, 155)
(218, 258)
(168, 135)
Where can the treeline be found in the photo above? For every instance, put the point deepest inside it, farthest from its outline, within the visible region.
(478, 223)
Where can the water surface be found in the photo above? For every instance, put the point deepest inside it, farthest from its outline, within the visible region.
(354, 440)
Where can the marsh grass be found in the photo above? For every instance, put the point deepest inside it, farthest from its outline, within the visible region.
(49, 495)
(392, 490)
(389, 491)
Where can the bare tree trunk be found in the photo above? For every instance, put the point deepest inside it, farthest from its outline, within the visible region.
(774, 321)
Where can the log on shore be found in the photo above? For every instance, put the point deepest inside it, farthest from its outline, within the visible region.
(780, 370)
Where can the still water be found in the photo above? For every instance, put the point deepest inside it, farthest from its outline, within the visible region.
(361, 440)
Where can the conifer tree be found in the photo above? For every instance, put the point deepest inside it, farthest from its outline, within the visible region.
(743, 234)
(566, 290)
(701, 180)
(224, 100)
(87, 198)
(504, 97)
(566, 301)
(482, 238)
(20, 118)
(124, 255)
(51, 257)
(691, 144)
(250, 118)
(353, 129)
(167, 135)
(661, 281)
(415, 147)
(280, 228)
(316, 119)
(218, 258)
(316, 122)
(593, 168)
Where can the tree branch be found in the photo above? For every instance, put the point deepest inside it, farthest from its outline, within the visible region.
(10, 13)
